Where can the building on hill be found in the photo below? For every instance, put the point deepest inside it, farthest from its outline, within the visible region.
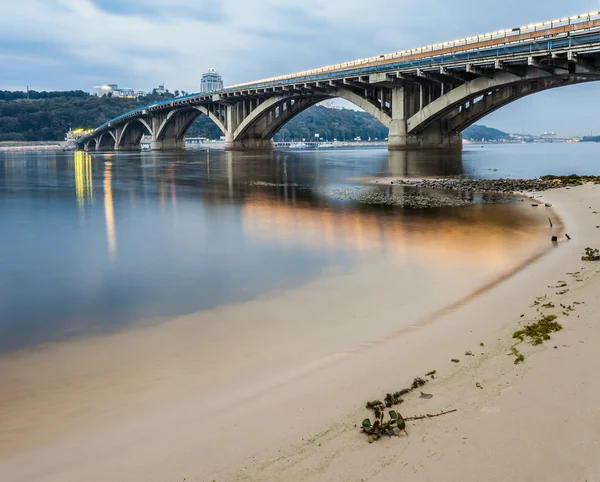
(211, 81)
(112, 90)
(330, 104)
(102, 90)
(160, 90)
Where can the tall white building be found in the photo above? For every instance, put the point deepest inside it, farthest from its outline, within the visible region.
(211, 80)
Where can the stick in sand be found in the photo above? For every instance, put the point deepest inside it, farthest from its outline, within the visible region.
(421, 417)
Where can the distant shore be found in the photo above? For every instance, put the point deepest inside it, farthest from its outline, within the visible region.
(16, 146)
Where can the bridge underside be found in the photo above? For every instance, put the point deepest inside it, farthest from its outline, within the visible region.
(422, 108)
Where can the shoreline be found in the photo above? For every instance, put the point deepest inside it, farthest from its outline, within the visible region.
(258, 435)
(514, 413)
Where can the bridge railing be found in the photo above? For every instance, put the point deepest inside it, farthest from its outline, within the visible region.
(540, 29)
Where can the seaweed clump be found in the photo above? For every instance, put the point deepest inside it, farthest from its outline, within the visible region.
(539, 331)
(591, 254)
(535, 333)
(395, 425)
(395, 398)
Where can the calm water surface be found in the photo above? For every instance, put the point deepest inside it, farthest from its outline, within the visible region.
(93, 243)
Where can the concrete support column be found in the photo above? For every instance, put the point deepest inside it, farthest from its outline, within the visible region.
(169, 144)
(251, 144)
(434, 137)
(397, 138)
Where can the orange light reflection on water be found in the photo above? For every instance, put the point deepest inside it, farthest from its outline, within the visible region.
(484, 233)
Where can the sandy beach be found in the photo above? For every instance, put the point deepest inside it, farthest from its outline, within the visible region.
(298, 420)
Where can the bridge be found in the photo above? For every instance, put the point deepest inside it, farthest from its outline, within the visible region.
(426, 96)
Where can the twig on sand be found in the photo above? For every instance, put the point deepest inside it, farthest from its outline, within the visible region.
(421, 417)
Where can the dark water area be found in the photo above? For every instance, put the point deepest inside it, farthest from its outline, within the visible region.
(91, 243)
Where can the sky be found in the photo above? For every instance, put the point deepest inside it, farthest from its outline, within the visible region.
(76, 44)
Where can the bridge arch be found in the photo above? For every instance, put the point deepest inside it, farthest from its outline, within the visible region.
(258, 128)
(468, 103)
(498, 98)
(131, 134)
(169, 131)
(106, 141)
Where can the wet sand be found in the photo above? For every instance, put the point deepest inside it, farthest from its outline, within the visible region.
(274, 391)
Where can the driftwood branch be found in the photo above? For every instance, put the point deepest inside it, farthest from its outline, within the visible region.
(421, 417)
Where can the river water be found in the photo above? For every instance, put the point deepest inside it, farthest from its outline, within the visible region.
(95, 243)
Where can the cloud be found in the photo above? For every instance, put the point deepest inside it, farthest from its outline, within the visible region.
(63, 44)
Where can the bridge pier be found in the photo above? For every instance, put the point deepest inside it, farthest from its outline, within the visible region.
(167, 144)
(431, 139)
(404, 101)
(249, 145)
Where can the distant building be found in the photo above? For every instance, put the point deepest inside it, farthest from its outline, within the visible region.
(329, 104)
(105, 89)
(160, 90)
(211, 81)
(126, 93)
(113, 90)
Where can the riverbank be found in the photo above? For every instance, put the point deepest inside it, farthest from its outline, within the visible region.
(32, 146)
(214, 420)
(537, 420)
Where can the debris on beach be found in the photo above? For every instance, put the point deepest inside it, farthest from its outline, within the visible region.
(455, 360)
(417, 382)
(478, 385)
(394, 426)
(391, 399)
(519, 358)
(422, 417)
(469, 353)
(591, 254)
(560, 284)
(426, 396)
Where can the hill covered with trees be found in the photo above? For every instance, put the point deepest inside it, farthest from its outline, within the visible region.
(478, 132)
(47, 116)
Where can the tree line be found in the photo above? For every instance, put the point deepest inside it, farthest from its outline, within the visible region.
(47, 116)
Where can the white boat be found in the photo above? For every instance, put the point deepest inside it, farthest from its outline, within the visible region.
(324, 145)
(297, 145)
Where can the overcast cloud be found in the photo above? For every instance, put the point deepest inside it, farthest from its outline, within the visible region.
(76, 44)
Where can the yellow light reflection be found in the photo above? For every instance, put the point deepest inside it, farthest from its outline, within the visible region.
(84, 184)
(109, 212)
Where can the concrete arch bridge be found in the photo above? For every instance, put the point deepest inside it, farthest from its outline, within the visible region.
(425, 96)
